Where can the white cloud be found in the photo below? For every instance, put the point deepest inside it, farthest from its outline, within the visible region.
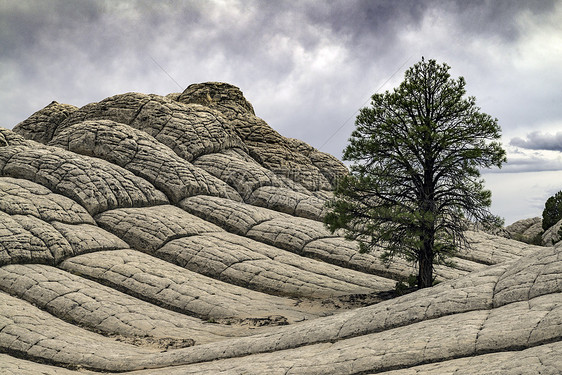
(517, 196)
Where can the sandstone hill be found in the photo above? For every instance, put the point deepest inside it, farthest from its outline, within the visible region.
(531, 231)
(182, 235)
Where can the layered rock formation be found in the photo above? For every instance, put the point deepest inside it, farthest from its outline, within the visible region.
(551, 237)
(182, 235)
(531, 231)
(526, 230)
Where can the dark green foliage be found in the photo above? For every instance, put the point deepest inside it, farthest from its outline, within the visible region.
(406, 285)
(415, 177)
(552, 211)
(535, 240)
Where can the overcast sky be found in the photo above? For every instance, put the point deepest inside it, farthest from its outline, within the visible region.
(306, 66)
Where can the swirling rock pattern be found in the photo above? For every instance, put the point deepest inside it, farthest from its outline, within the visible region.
(313, 169)
(182, 235)
(142, 155)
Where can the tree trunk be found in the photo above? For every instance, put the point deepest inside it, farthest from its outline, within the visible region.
(425, 274)
(428, 214)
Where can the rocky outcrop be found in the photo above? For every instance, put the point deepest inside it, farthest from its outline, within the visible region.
(526, 230)
(531, 231)
(552, 235)
(9, 138)
(42, 124)
(182, 235)
(286, 157)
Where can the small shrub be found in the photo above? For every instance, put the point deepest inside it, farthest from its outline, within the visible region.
(406, 285)
(535, 240)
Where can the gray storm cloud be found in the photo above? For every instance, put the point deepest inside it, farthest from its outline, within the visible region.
(539, 141)
(306, 66)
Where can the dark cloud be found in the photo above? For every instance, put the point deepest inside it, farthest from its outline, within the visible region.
(307, 66)
(494, 18)
(530, 164)
(244, 27)
(82, 51)
(247, 31)
(366, 20)
(24, 24)
(539, 141)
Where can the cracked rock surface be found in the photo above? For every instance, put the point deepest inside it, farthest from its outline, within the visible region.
(143, 155)
(183, 235)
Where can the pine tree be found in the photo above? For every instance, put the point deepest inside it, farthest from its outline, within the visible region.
(415, 181)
